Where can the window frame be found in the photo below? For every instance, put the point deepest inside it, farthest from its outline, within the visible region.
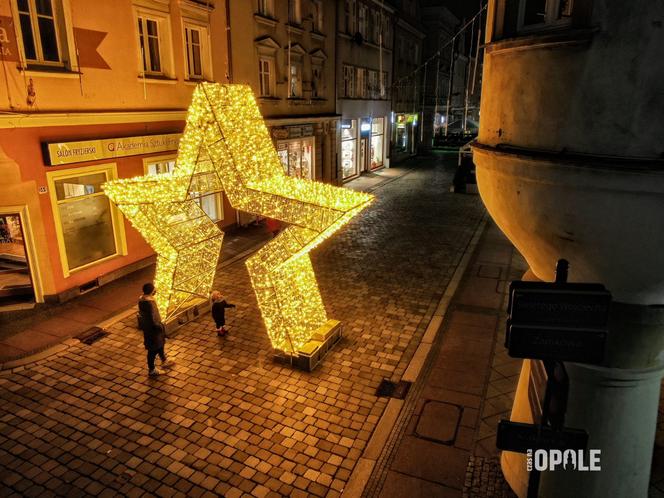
(295, 14)
(271, 62)
(348, 81)
(163, 20)
(205, 53)
(117, 220)
(265, 8)
(64, 36)
(550, 17)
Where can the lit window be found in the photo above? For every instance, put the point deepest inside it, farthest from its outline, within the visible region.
(148, 35)
(265, 74)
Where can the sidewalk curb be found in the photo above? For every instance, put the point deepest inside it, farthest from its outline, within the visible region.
(366, 463)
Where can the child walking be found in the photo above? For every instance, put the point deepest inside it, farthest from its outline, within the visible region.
(219, 306)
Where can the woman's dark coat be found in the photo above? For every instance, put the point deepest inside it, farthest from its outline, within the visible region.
(149, 321)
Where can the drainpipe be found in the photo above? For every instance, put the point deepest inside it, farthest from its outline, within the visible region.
(229, 43)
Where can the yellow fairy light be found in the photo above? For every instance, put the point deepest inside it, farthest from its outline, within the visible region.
(226, 144)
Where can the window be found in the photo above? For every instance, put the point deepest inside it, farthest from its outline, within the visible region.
(88, 226)
(317, 15)
(200, 188)
(294, 11)
(376, 156)
(348, 148)
(349, 17)
(538, 13)
(362, 20)
(316, 81)
(295, 84)
(361, 80)
(39, 31)
(265, 75)
(373, 84)
(154, 42)
(296, 157)
(266, 8)
(376, 26)
(383, 85)
(197, 52)
(349, 81)
(148, 34)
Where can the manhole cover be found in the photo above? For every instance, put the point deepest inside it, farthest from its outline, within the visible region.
(390, 389)
(92, 335)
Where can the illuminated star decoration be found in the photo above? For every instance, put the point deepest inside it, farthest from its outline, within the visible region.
(226, 135)
(186, 241)
(226, 144)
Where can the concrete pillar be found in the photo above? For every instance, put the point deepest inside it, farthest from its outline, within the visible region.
(618, 408)
(616, 403)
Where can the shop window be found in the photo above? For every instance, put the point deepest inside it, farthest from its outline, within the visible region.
(154, 43)
(209, 202)
(87, 224)
(297, 157)
(295, 11)
(534, 14)
(266, 8)
(197, 52)
(377, 126)
(266, 76)
(349, 81)
(348, 148)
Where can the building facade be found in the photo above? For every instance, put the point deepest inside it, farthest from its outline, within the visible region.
(407, 79)
(285, 50)
(93, 94)
(569, 165)
(364, 68)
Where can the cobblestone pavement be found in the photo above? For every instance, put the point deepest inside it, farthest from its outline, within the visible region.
(226, 419)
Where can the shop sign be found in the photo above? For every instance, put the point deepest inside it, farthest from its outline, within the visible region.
(307, 130)
(108, 148)
(280, 133)
(294, 131)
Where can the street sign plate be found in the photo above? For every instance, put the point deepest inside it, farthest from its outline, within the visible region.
(556, 343)
(576, 305)
(519, 437)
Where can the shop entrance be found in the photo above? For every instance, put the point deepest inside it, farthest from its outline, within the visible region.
(16, 285)
(364, 154)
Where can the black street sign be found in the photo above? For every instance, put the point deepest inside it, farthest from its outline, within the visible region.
(555, 304)
(519, 437)
(556, 343)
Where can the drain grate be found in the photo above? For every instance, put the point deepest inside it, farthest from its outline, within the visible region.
(92, 335)
(389, 389)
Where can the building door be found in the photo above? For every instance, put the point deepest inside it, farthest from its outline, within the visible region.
(15, 282)
(364, 154)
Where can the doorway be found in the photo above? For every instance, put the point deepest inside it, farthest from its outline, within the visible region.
(364, 155)
(16, 286)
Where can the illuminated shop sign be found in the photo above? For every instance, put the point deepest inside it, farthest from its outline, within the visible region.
(108, 148)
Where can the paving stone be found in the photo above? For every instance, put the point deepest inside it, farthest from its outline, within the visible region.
(439, 422)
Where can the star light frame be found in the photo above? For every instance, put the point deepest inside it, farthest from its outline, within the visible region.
(226, 144)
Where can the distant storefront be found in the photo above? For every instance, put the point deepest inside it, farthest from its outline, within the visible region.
(296, 150)
(403, 135)
(362, 145)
